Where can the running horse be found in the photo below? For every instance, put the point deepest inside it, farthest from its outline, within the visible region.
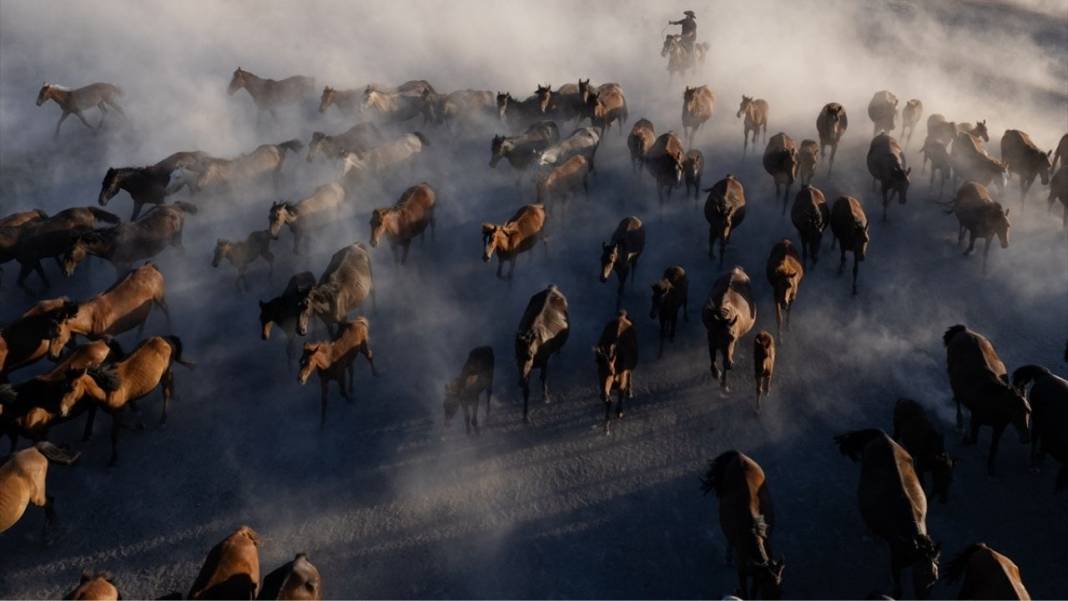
(679, 59)
(269, 94)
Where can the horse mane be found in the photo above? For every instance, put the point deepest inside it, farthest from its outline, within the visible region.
(955, 568)
(105, 377)
(1026, 374)
(852, 444)
(715, 477)
(951, 332)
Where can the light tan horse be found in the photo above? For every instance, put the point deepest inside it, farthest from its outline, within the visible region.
(268, 94)
(242, 253)
(392, 107)
(333, 360)
(346, 101)
(315, 211)
(73, 102)
(229, 174)
(697, 105)
(756, 119)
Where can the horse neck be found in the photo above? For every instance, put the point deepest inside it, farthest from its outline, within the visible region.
(61, 97)
(255, 85)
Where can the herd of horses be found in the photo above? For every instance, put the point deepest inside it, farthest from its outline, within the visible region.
(95, 373)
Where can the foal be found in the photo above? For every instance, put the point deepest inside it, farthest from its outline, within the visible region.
(243, 253)
(333, 359)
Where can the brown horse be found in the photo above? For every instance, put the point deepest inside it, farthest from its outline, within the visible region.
(882, 109)
(284, 310)
(697, 105)
(151, 184)
(518, 235)
(1022, 157)
(1048, 397)
(728, 315)
(724, 211)
(914, 429)
(268, 94)
(543, 331)
(763, 364)
(405, 220)
(466, 107)
(127, 243)
(32, 407)
(910, 116)
(359, 138)
(334, 359)
(807, 159)
(475, 378)
(987, 575)
(849, 225)
(666, 162)
(297, 579)
(232, 568)
(811, 216)
(616, 355)
(781, 161)
(95, 586)
(120, 308)
(36, 240)
(756, 119)
(746, 516)
(23, 479)
(1058, 189)
(893, 506)
(73, 102)
(981, 217)
(886, 163)
(670, 292)
(621, 254)
(344, 285)
(1061, 154)
(831, 124)
(321, 208)
(938, 154)
(785, 270)
(607, 105)
(346, 101)
(34, 334)
(519, 113)
(563, 180)
(979, 381)
(693, 170)
(147, 367)
(242, 253)
(639, 142)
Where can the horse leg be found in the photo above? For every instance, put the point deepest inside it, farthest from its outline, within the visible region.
(168, 392)
(89, 420)
(324, 386)
(79, 115)
(103, 113)
(856, 269)
(39, 269)
(545, 382)
(994, 441)
(115, 105)
(62, 118)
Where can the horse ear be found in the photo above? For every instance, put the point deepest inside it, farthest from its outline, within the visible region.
(488, 228)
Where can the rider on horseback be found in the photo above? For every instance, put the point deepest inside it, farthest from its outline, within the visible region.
(689, 30)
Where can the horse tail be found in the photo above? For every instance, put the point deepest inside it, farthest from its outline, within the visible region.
(1026, 374)
(422, 138)
(852, 444)
(186, 207)
(176, 347)
(951, 332)
(715, 476)
(625, 114)
(105, 216)
(293, 145)
(56, 454)
(955, 567)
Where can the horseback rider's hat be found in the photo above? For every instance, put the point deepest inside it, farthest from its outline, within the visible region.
(689, 13)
